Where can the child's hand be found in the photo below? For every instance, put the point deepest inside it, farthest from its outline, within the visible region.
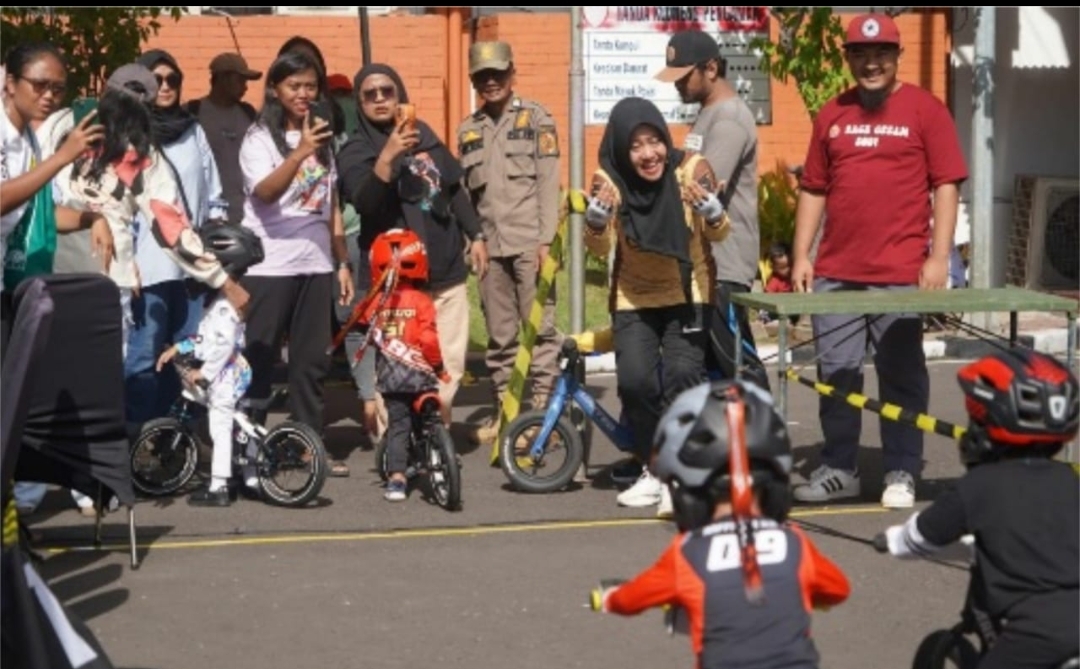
(165, 357)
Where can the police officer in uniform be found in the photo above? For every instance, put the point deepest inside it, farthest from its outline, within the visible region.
(510, 152)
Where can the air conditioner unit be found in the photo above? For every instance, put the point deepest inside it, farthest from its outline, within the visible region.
(1044, 239)
(307, 10)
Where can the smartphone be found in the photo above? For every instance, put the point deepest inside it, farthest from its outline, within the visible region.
(320, 109)
(406, 113)
(81, 108)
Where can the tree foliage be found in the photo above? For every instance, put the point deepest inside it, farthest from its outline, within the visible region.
(94, 41)
(809, 50)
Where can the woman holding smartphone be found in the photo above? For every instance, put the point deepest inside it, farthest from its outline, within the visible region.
(398, 174)
(291, 204)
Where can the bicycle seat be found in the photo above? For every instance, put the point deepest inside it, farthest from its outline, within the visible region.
(425, 402)
(1073, 663)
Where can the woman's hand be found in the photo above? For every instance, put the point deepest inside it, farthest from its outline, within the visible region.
(705, 203)
(347, 287)
(313, 136)
(165, 357)
(82, 137)
(401, 141)
(101, 242)
(601, 206)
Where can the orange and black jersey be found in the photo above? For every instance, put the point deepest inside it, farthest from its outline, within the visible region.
(701, 572)
(410, 359)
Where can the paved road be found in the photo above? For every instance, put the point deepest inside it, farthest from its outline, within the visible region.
(358, 582)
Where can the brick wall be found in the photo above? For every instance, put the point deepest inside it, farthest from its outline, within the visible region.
(418, 47)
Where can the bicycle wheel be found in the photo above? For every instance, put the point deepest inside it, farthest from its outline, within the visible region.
(443, 472)
(163, 458)
(291, 464)
(945, 649)
(542, 474)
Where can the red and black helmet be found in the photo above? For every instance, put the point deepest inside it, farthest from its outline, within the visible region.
(1016, 398)
(402, 247)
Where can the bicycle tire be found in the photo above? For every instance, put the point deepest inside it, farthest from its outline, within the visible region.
(447, 492)
(530, 482)
(945, 649)
(187, 460)
(268, 464)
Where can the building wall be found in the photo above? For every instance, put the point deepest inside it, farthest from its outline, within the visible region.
(420, 47)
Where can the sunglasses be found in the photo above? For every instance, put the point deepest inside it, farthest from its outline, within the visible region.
(57, 88)
(373, 94)
(173, 79)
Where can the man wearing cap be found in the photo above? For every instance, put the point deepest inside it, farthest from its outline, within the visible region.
(510, 151)
(225, 117)
(725, 132)
(884, 166)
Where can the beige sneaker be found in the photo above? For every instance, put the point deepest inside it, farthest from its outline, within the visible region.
(486, 432)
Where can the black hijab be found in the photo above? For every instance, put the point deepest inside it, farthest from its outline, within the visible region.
(168, 123)
(651, 212)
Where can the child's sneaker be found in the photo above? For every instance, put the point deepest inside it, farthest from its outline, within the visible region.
(395, 491)
(899, 490)
(646, 492)
(828, 484)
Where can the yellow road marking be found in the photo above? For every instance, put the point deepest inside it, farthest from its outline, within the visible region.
(473, 530)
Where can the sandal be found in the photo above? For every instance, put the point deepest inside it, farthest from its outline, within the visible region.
(338, 469)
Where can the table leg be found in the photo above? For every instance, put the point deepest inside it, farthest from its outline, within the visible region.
(782, 366)
(1014, 328)
(1072, 453)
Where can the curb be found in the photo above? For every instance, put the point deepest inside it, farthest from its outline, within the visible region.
(1053, 342)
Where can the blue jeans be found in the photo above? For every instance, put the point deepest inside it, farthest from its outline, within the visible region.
(163, 314)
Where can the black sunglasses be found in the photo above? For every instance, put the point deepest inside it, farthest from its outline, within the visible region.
(173, 79)
(372, 94)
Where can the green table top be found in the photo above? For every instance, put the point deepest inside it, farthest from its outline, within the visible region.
(959, 300)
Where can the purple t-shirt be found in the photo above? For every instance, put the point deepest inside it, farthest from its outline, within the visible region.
(295, 230)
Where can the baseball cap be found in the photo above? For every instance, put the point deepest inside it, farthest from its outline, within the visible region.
(233, 62)
(339, 82)
(135, 80)
(872, 29)
(685, 50)
(489, 56)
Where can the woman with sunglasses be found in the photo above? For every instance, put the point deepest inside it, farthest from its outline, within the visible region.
(163, 312)
(35, 81)
(398, 174)
(291, 183)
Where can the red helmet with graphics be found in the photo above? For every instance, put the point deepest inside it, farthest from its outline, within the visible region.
(1018, 398)
(403, 248)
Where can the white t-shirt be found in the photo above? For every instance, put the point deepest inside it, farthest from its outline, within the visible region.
(17, 151)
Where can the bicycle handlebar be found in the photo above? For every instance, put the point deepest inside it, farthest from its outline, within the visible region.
(596, 595)
(881, 543)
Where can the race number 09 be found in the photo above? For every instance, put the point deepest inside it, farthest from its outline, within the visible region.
(724, 550)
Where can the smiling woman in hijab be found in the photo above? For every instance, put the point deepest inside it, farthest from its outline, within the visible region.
(162, 311)
(402, 177)
(657, 207)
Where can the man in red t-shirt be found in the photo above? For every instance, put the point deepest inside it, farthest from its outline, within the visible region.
(884, 161)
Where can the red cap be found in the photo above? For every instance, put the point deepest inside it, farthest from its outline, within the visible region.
(339, 82)
(872, 29)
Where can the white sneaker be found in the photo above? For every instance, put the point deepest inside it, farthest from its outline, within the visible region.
(828, 484)
(644, 492)
(665, 509)
(899, 490)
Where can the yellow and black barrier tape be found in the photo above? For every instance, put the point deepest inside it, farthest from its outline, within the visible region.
(510, 402)
(893, 412)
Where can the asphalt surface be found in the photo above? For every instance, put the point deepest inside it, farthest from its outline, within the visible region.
(354, 581)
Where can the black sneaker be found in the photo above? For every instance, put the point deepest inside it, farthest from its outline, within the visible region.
(203, 497)
(627, 471)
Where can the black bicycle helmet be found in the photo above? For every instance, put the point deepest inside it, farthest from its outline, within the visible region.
(237, 248)
(692, 441)
(1017, 398)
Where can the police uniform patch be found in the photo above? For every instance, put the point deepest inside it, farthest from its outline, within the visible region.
(523, 119)
(548, 142)
(469, 141)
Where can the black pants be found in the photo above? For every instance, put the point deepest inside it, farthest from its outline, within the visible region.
(7, 320)
(727, 317)
(1040, 633)
(658, 354)
(297, 307)
(399, 423)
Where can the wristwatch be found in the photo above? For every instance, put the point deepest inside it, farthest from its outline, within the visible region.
(479, 237)
(345, 264)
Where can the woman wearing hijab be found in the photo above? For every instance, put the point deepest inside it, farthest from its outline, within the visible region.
(658, 208)
(399, 175)
(162, 311)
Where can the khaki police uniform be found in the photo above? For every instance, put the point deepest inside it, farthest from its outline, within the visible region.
(512, 173)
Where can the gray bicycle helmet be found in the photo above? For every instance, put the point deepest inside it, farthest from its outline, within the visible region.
(237, 248)
(693, 447)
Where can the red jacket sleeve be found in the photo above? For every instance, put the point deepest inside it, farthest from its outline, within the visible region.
(428, 332)
(652, 587)
(823, 584)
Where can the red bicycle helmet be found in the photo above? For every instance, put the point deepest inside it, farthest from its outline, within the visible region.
(1017, 398)
(403, 248)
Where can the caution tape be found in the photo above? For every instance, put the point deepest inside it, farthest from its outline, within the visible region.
(510, 402)
(892, 412)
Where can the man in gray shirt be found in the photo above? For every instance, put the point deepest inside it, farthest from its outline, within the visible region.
(725, 132)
